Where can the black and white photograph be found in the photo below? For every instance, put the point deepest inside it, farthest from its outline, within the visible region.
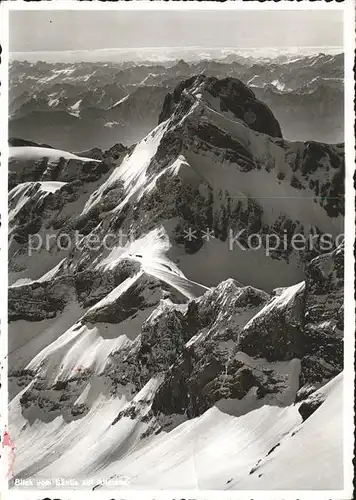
(180, 310)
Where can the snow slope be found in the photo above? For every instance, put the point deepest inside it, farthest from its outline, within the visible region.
(150, 252)
(30, 153)
(133, 170)
(250, 447)
(314, 451)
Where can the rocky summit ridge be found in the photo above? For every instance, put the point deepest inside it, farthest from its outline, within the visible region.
(228, 95)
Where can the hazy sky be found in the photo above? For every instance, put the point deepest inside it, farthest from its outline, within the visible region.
(74, 30)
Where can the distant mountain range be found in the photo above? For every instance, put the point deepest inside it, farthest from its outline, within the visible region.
(73, 106)
(146, 55)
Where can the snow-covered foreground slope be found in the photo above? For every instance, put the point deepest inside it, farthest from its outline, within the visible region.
(313, 451)
(254, 450)
(233, 445)
(166, 361)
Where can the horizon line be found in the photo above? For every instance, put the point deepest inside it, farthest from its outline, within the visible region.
(190, 47)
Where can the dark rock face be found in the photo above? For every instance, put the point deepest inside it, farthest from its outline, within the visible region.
(304, 392)
(235, 97)
(309, 406)
(208, 369)
(205, 373)
(92, 286)
(62, 403)
(197, 383)
(277, 334)
(42, 300)
(331, 190)
(235, 151)
(242, 102)
(324, 320)
(163, 339)
(172, 99)
(38, 301)
(308, 326)
(162, 348)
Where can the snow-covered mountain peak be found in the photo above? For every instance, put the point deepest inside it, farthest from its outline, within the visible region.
(228, 96)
